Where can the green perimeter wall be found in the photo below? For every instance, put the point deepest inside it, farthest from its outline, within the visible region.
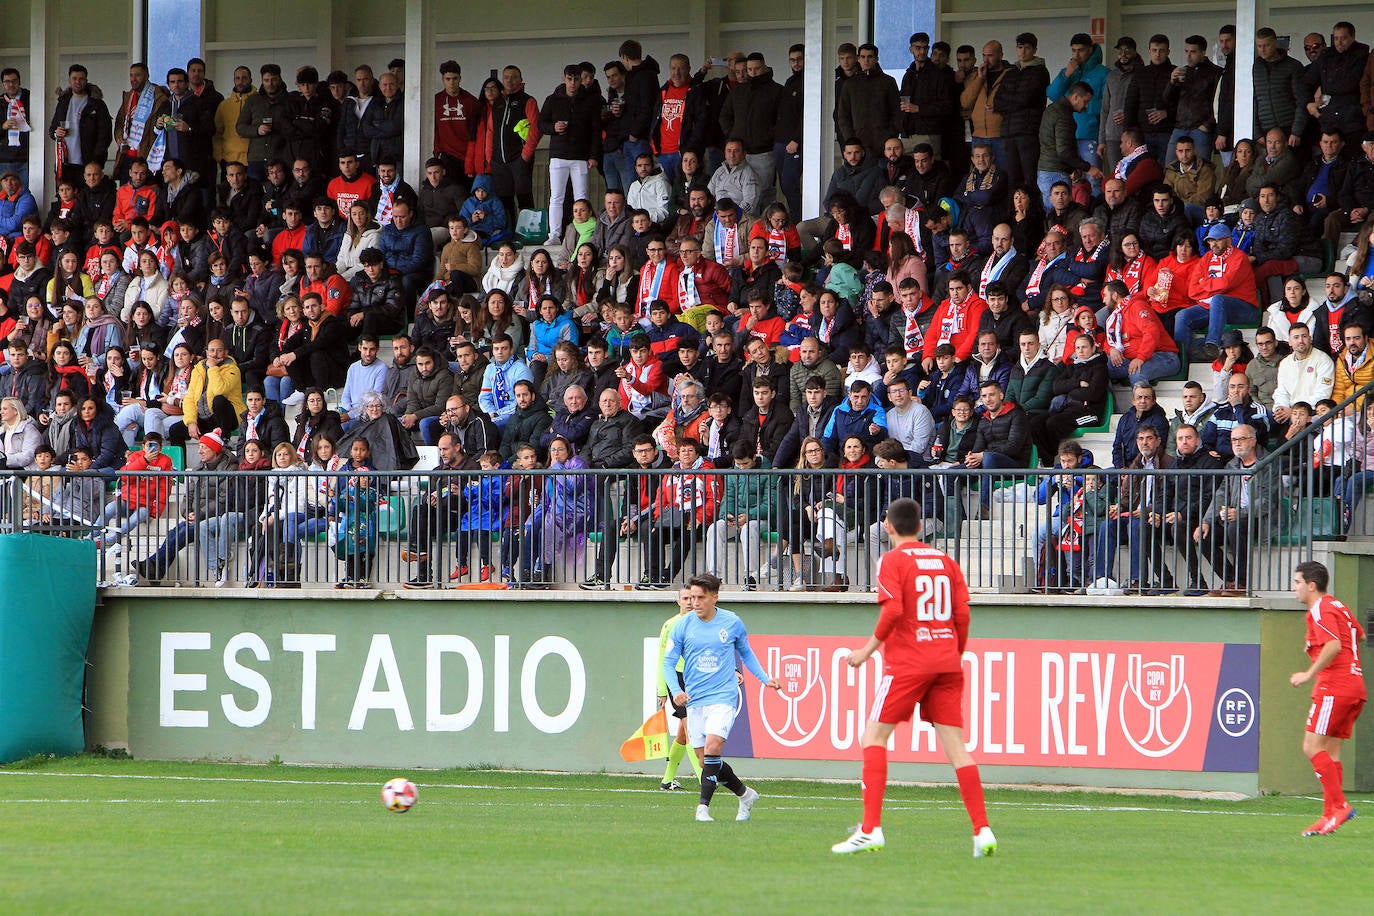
(234, 688)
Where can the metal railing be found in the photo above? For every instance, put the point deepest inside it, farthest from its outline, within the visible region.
(799, 530)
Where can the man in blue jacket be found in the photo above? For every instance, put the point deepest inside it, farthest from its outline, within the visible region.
(407, 247)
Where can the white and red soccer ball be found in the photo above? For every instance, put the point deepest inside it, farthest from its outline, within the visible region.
(399, 795)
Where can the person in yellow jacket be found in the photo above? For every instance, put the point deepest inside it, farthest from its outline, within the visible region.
(1354, 365)
(214, 393)
(227, 145)
(665, 697)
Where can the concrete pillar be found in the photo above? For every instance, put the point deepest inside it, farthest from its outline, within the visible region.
(40, 80)
(818, 130)
(419, 90)
(1248, 13)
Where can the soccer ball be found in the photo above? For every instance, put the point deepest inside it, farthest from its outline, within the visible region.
(399, 795)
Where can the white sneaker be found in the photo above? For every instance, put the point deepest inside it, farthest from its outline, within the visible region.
(984, 843)
(704, 813)
(859, 841)
(294, 398)
(552, 241)
(222, 578)
(746, 804)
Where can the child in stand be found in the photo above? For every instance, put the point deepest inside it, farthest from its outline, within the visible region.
(485, 214)
(623, 328)
(938, 391)
(1085, 320)
(805, 321)
(1079, 521)
(1299, 418)
(1333, 448)
(1243, 235)
(1235, 355)
(874, 272)
(485, 498)
(840, 276)
(1215, 215)
(787, 291)
(353, 515)
(637, 243)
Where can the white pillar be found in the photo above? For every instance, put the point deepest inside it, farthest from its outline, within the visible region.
(40, 80)
(1247, 21)
(818, 131)
(419, 91)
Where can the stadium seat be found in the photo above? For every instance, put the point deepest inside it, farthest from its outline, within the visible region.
(391, 518)
(1303, 520)
(1104, 427)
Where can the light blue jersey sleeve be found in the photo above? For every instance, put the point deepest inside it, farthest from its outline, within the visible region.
(746, 652)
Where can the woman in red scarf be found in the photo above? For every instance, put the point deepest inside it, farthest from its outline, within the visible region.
(1129, 263)
(776, 228)
(66, 374)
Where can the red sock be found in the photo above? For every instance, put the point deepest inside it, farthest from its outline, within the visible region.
(874, 784)
(971, 791)
(1329, 774)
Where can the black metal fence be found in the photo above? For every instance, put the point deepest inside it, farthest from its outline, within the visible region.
(1234, 530)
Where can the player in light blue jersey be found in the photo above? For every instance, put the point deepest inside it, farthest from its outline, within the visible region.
(707, 640)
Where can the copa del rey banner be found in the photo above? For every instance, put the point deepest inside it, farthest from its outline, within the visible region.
(1121, 705)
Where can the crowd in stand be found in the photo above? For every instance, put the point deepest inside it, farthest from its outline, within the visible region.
(1000, 242)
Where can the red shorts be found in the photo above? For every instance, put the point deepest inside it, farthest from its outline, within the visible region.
(1333, 716)
(941, 697)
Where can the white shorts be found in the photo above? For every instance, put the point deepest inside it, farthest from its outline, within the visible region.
(711, 719)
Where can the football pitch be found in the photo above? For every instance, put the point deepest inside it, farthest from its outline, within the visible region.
(87, 833)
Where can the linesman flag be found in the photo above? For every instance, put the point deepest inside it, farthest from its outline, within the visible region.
(650, 740)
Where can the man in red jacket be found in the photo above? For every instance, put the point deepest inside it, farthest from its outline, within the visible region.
(955, 321)
(140, 497)
(1224, 289)
(1139, 350)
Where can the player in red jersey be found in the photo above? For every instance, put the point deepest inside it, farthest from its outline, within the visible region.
(1338, 695)
(922, 628)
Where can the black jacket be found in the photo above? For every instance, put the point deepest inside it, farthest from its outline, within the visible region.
(790, 447)
(1007, 434)
(386, 297)
(641, 100)
(788, 127)
(751, 111)
(768, 436)
(1279, 100)
(868, 109)
(582, 139)
(271, 427)
(97, 203)
(932, 90)
(312, 130)
(609, 442)
(93, 127)
(1338, 75)
(1021, 98)
(1192, 98)
(1146, 93)
(383, 127)
(249, 345)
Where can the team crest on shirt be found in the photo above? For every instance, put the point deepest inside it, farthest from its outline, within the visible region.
(333, 293)
(923, 634)
(724, 635)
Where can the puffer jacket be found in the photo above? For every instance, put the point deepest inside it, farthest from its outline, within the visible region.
(1021, 98)
(1278, 95)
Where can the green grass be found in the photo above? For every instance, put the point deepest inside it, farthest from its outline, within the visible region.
(91, 833)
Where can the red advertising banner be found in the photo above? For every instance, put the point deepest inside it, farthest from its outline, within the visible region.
(1027, 702)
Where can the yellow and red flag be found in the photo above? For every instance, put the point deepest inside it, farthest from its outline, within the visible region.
(650, 741)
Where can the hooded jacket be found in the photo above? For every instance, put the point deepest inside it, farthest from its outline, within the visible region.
(1095, 75)
(641, 100)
